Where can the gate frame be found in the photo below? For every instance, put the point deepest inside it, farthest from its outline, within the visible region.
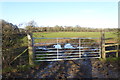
(77, 52)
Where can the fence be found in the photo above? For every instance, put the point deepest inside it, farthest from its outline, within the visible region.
(46, 52)
(104, 45)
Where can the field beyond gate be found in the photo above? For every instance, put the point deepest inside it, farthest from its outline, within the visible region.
(74, 34)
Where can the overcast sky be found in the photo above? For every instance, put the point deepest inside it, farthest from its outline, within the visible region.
(85, 14)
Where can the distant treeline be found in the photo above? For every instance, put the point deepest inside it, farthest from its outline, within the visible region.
(67, 29)
(31, 26)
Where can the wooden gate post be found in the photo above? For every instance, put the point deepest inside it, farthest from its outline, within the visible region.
(30, 49)
(118, 41)
(117, 46)
(103, 54)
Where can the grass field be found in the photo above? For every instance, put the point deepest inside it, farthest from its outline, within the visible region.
(73, 34)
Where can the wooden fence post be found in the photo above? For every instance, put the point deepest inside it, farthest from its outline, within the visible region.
(117, 53)
(103, 45)
(30, 49)
(118, 41)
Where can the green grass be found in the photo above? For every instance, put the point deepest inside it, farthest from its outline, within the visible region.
(66, 34)
(110, 59)
(72, 34)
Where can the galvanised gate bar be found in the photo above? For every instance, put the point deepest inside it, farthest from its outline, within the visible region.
(55, 49)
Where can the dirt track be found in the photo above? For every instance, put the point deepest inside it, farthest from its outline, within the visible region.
(79, 69)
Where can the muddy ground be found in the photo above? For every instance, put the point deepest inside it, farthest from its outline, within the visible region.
(89, 68)
(80, 69)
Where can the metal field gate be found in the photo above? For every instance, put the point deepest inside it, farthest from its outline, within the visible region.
(55, 49)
